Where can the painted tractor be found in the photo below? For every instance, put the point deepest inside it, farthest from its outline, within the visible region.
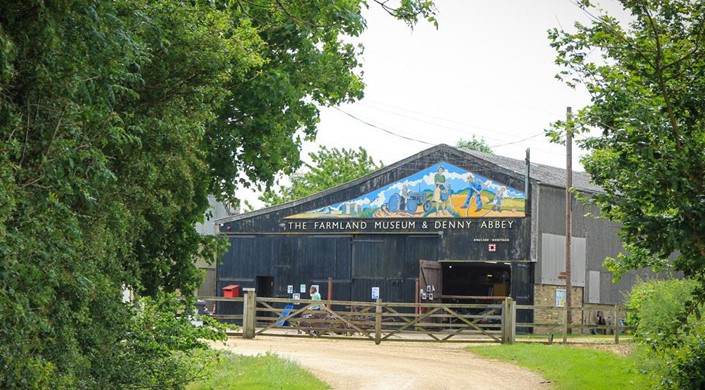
(396, 202)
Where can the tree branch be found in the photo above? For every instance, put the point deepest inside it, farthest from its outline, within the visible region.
(658, 69)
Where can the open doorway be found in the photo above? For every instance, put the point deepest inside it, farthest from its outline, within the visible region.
(264, 287)
(476, 279)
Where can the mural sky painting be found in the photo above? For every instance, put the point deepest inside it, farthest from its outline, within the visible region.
(441, 190)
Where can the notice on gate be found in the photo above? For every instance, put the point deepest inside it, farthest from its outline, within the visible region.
(375, 293)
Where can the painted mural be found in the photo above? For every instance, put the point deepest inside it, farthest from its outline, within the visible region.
(440, 191)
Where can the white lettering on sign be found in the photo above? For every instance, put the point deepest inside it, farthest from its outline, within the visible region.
(395, 225)
(498, 224)
(451, 224)
(339, 225)
(398, 224)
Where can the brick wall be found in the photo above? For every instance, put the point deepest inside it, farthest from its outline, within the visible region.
(545, 295)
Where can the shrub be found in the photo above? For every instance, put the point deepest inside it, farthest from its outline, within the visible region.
(667, 323)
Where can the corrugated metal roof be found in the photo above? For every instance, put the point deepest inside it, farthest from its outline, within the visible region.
(543, 174)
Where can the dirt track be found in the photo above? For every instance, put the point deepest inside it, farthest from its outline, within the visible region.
(349, 364)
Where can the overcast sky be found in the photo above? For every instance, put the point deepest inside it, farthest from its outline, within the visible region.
(487, 70)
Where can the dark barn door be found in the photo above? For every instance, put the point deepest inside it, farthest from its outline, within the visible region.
(523, 291)
(430, 281)
(377, 265)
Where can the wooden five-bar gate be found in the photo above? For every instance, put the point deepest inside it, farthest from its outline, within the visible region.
(377, 321)
(492, 319)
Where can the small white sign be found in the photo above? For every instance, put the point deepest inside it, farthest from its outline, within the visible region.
(375, 293)
(560, 297)
(302, 288)
(296, 296)
(290, 289)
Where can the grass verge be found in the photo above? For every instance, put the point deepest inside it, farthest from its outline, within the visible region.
(267, 371)
(570, 367)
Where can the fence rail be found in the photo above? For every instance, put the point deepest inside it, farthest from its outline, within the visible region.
(393, 321)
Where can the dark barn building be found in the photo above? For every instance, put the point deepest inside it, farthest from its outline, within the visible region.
(462, 223)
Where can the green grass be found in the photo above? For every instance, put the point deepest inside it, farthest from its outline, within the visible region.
(256, 372)
(569, 367)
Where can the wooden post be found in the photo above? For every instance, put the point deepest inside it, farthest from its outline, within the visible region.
(330, 290)
(565, 323)
(416, 299)
(249, 313)
(508, 321)
(513, 311)
(378, 321)
(568, 217)
(616, 324)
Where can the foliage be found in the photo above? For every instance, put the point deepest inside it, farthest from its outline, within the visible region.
(648, 98)
(674, 336)
(656, 308)
(256, 372)
(116, 120)
(274, 107)
(571, 368)
(331, 167)
(476, 144)
(161, 347)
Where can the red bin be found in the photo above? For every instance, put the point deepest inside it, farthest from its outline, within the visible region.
(231, 291)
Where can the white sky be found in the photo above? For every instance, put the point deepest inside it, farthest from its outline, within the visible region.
(487, 70)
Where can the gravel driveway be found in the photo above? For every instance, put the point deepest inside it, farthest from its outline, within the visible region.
(354, 364)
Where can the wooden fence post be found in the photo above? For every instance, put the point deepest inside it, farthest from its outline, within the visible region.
(513, 311)
(378, 321)
(249, 313)
(565, 323)
(508, 321)
(616, 324)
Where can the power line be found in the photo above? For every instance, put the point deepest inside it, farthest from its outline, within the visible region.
(516, 142)
(433, 144)
(383, 129)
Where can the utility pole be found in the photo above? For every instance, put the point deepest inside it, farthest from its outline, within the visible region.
(568, 217)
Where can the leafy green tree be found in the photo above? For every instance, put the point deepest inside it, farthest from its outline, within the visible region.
(477, 144)
(331, 167)
(648, 97)
(117, 119)
(645, 76)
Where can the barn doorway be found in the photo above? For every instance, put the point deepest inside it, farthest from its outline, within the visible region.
(476, 278)
(264, 287)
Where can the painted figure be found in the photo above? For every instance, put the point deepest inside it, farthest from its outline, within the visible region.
(474, 192)
(404, 193)
(440, 190)
(497, 201)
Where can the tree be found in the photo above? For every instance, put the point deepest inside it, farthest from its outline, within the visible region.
(648, 98)
(479, 145)
(331, 167)
(117, 119)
